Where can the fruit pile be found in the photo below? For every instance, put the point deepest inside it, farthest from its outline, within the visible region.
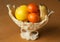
(29, 13)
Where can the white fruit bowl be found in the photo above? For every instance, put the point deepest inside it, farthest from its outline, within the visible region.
(29, 31)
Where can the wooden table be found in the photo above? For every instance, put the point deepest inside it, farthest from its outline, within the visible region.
(10, 32)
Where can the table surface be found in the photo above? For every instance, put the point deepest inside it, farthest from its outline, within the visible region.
(10, 32)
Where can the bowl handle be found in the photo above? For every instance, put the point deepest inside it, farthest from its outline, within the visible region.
(11, 15)
(50, 12)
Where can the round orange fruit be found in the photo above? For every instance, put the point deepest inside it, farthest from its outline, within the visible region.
(33, 17)
(32, 7)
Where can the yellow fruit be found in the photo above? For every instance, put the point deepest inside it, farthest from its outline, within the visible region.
(21, 13)
(43, 11)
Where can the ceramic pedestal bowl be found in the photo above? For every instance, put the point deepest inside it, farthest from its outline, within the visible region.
(29, 31)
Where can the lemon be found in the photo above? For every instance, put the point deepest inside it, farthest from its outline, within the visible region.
(21, 13)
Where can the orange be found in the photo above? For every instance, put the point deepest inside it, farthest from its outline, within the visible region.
(32, 7)
(33, 17)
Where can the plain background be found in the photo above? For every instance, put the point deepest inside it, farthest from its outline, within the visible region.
(10, 32)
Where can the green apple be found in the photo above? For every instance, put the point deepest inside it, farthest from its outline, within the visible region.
(21, 13)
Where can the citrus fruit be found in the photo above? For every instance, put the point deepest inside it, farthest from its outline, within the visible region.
(33, 17)
(21, 13)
